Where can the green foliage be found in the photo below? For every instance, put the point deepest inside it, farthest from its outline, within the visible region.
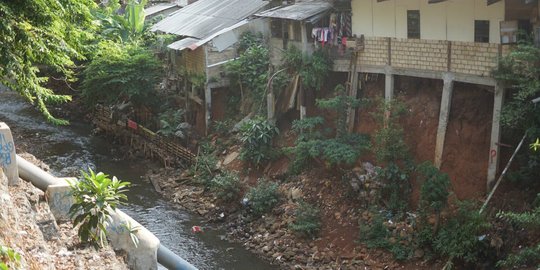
(128, 27)
(9, 258)
(390, 149)
(172, 123)
(519, 72)
(96, 197)
(462, 236)
(42, 37)
(222, 127)
(256, 136)
(344, 148)
(526, 256)
(263, 197)
(226, 186)
(307, 220)
(249, 72)
(313, 69)
(204, 166)
(121, 72)
(397, 188)
(377, 235)
(389, 145)
(434, 191)
(528, 220)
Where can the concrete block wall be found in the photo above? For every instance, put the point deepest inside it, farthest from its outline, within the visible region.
(375, 52)
(215, 57)
(474, 58)
(420, 54)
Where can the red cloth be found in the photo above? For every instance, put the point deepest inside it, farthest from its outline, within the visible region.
(344, 41)
(131, 124)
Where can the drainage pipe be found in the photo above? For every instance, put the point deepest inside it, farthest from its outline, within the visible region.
(42, 180)
(34, 174)
(170, 260)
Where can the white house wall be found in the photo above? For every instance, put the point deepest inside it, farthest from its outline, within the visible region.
(450, 20)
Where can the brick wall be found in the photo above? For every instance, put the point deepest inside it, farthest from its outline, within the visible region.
(420, 54)
(375, 52)
(431, 55)
(195, 61)
(474, 58)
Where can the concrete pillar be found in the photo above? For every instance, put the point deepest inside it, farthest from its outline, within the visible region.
(60, 199)
(8, 158)
(351, 114)
(144, 255)
(446, 101)
(208, 107)
(388, 86)
(493, 164)
(303, 32)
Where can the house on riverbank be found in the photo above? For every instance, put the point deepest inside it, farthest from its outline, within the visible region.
(451, 44)
(208, 31)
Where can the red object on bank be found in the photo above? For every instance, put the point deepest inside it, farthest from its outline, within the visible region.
(196, 229)
(131, 124)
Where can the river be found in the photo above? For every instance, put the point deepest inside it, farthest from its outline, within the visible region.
(69, 149)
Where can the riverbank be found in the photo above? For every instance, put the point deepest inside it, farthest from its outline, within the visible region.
(29, 228)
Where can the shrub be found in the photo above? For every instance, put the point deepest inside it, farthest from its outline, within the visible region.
(307, 220)
(529, 220)
(461, 237)
(172, 124)
(204, 166)
(121, 72)
(96, 197)
(226, 186)
(263, 197)
(256, 137)
(377, 235)
(434, 191)
(9, 258)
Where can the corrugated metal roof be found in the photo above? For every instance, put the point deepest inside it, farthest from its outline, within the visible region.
(184, 43)
(149, 11)
(205, 17)
(298, 11)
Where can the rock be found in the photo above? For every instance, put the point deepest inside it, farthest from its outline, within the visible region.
(295, 194)
(230, 158)
(368, 168)
(355, 184)
(49, 228)
(266, 249)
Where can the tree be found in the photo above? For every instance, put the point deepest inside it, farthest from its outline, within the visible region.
(38, 37)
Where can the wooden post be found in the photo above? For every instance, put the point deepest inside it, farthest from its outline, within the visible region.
(303, 32)
(208, 107)
(351, 115)
(444, 115)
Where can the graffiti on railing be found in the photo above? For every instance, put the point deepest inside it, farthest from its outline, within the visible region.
(6, 151)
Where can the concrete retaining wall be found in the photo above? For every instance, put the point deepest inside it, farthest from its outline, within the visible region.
(8, 160)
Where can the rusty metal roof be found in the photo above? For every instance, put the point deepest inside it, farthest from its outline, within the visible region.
(298, 11)
(206, 17)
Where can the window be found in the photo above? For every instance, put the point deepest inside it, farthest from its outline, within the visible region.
(276, 27)
(481, 31)
(413, 23)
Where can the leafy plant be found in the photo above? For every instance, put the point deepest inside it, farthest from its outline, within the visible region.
(249, 72)
(307, 220)
(313, 69)
(377, 235)
(462, 236)
(9, 258)
(263, 197)
(226, 186)
(38, 39)
(204, 166)
(528, 220)
(390, 149)
(434, 191)
(96, 197)
(256, 136)
(172, 124)
(121, 72)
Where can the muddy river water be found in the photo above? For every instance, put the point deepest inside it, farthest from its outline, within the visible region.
(69, 149)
